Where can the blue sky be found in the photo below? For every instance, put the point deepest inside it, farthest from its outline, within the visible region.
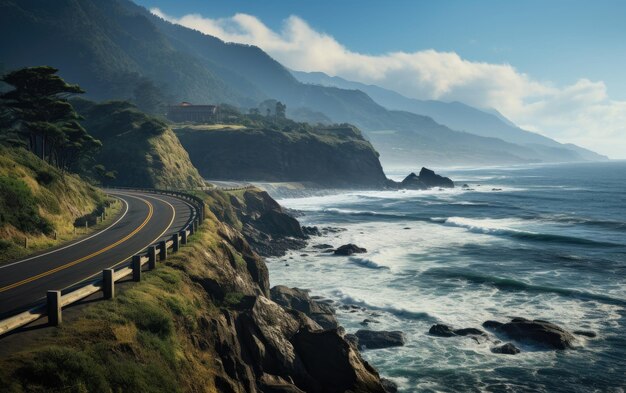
(554, 67)
(555, 40)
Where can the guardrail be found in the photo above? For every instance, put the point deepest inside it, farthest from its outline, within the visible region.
(56, 300)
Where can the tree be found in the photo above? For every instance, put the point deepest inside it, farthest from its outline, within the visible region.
(281, 110)
(38, 112)
(148, 97)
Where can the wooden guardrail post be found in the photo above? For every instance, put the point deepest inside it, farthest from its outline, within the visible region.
(194, 225)
(54, 308)
(162, 251)
(136, 266)
(176, 240)
(152, 257)
(183, 236)
(108, 283)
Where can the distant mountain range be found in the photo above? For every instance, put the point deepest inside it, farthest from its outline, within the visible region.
(109, 47)
(455, 115)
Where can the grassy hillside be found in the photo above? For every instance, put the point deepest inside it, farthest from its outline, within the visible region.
(141, 150)
(37, 200)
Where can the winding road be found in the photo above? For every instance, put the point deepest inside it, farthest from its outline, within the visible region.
(145, 219)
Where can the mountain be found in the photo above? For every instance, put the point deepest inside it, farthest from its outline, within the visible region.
(455, 115)
(107, 47)
(111, 47)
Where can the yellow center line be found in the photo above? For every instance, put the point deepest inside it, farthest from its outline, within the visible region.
(70, 264)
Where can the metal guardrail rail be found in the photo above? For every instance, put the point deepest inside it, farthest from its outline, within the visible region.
(55, 300)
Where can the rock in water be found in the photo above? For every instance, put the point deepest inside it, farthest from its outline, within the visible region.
(506, 349)
(469, 332)
(413, 182)
(431, 179)
(539, 332)
(586, 333)
(492, 324)
(389, 386)
(426, 179)
(349, 249)
(372, 339)
(440, 330)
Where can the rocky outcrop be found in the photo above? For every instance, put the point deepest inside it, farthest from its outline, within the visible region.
(425, 180)
(279, 340)
(537, 332)
(441, 330)
(506, 349)
(376, 339)
(349, 249)
(266, 226)
(299, 300)
(266, 348)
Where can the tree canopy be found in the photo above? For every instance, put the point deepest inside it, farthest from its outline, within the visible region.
(36, 114)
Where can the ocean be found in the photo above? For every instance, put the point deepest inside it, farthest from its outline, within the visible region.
(541, 242)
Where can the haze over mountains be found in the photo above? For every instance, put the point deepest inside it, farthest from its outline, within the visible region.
(109, 47)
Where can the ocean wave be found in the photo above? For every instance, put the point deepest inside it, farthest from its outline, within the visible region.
(566, 219)
(494, 227)
(509, 284)
(368, 263)
(396, 311)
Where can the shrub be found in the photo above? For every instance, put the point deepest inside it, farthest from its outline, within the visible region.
(19, 208)
(63, 369)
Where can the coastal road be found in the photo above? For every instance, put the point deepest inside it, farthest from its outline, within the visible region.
(145, 219)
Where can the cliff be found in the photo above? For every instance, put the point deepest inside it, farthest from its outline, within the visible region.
(330, 157)
(202, 321)
(139, 149)
(37, 200)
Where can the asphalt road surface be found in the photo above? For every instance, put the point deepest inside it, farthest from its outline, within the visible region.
(145, 219)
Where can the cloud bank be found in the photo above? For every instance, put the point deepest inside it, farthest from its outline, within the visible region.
(580, 113)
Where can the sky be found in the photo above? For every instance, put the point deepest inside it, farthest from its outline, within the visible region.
(555, 67)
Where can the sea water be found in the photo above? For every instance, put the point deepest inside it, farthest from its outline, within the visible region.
(540, 242)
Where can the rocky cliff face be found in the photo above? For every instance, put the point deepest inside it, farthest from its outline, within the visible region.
(202, 321)
(338, 157)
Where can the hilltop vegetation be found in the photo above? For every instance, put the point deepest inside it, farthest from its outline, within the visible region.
(137, 150)
(37, 199)
(276, 149)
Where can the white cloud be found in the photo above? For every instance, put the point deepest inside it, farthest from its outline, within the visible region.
(581, 113)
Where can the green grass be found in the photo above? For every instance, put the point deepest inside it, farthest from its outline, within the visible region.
(41, 203)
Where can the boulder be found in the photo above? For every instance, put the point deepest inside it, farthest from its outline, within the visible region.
(426, 179)
(506, 349)
(389, 386)
(492, 324)
(322, 246)
(349, 249)
(333, 364)
(542, 333)
(431, 179)
(440, 330)
(372, 339)
(299, 300)
(585, 333)
(413, 182)
(469, 332)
